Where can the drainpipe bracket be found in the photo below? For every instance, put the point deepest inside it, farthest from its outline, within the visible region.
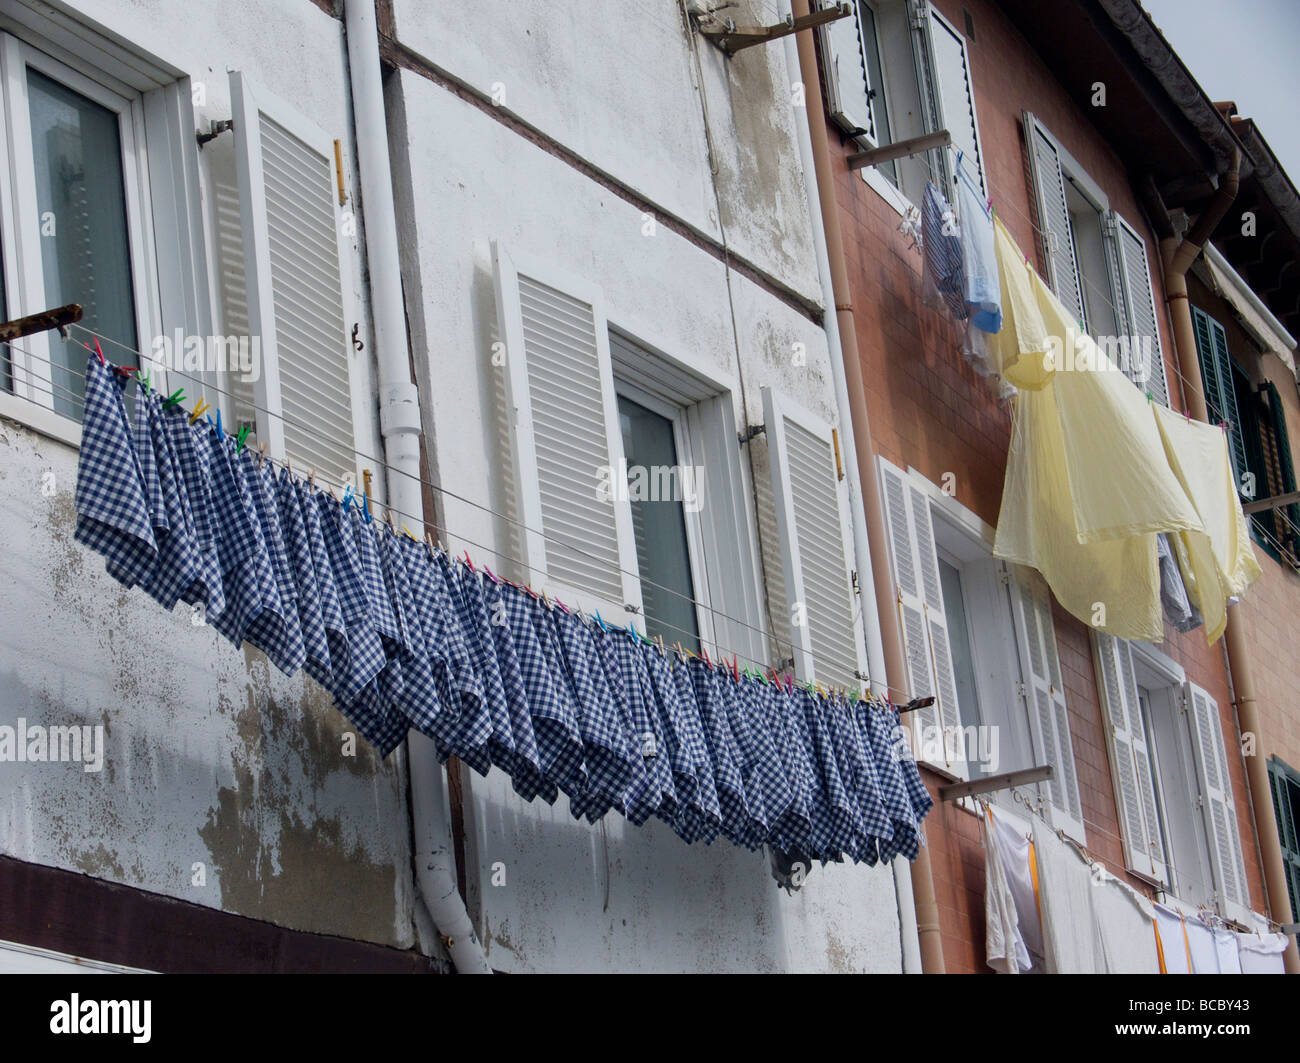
(399, 410)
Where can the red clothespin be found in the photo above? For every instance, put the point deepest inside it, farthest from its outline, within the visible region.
(704, 654)
(491, 576)
(563, 606)
(98, 353)
(468, 562)
(735, 669)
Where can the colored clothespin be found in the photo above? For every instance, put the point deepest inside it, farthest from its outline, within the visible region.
(735, 669)
(220, 432)
(347, 496)
(176, 396)
(491, 576)
(468, 561)
(143, 380)
(409, 534)
(601, 620)
(563, 606)
(242, 438)
(98, 353)
(365, 507)
(198, 410)
(704, 655)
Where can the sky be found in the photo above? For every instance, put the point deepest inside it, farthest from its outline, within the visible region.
(1246, 51)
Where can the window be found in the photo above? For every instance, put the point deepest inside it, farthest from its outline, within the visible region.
(1170, 767)
(1257, 437)
(1286, 804)
(980, 637)
(897, 70)
(1097, 262)
(627, 475)
(76, 227)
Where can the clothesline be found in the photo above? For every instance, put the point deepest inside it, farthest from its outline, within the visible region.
(404, 636)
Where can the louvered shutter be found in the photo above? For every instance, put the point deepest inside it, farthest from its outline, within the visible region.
(570, 484)
(1053, 215)
(1220, 394)
(1215, 785)
(1282, 781)
(953, 106)
(1286, 519)
(921, 613)
(844, 70)
(812, 518)
(294, 282)
(1139, 306)
(1130, 758)
(1041, 678)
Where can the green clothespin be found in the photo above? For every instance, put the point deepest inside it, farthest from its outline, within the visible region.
(240, 439)
(143, 380)
(176, 396)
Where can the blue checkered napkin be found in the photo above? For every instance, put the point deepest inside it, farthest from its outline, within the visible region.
(365, 653)
(276, 630)
(789, 831)
(820, 826)
(419, 701)
(859, 775)
(684, 745)
(500, 748)
(112, 511)
(723, 754)
(917, 794)
(466, 733)
(191, 457)
(527, 776)
(846, 823)
(246, 575)
(390, 681)
(153, 496)
(610, 663)
(327, 594)
(179, 563)
(706, 823)
(559, 745)
(753, 771)
(611, 759)
(885, 740)
(655, 794)
(298, 548)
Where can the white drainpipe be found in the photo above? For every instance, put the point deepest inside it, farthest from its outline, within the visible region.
(861, 549)
(399, 422)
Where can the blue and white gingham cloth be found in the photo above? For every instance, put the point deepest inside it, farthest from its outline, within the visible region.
(402, 636)
(941, 240)
(191, 457)
(112, 511)
(276, 630)
(559, 745)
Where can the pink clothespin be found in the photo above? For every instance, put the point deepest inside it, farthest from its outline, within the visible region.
(99, 353)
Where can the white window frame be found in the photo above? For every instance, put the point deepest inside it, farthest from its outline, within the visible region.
(722, 535)
(164, 221)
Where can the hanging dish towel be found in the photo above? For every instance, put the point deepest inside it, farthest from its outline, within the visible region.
(979, 255)
(943, 254)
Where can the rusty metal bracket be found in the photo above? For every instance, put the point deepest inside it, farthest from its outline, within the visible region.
(899, 149)
(1005, 781)
(732, 38)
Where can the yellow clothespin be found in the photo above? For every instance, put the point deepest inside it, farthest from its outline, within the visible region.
(198, 410)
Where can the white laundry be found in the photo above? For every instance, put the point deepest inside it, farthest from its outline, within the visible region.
(1065, 886)
(1200, 942)
(1125, 929)
(1225, 944)
(1005, 949)
(1169, 925)
(1261, 953)
(1013, 844)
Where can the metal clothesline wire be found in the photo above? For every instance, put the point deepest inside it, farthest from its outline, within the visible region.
(718, 644)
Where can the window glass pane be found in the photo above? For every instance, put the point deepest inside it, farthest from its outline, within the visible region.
(85, 252)
(963, 664)
(659, 525)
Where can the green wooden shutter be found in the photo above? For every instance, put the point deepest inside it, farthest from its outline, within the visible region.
(1220, 394)
(1286, 467)
(1284, 781)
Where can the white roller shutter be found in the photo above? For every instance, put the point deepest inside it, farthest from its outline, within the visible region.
(1049, 719)
(1053, 214)
(1130, 759)
(294, 282)
(812, 520)
(1214, 783)
(921, 613)
(564, 433)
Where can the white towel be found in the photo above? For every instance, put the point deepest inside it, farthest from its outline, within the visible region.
(1261, 953)
(1170, 926)
(1205, 955)
(1225, 944)
(1013, 844)
(1065, 885)
(1124, 920)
